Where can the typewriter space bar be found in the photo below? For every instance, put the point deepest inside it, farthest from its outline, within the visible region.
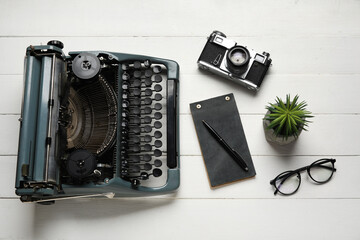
(171, 123)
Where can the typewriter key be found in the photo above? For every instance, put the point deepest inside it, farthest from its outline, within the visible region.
(157, 69)
(136, 130)
(136, 92)
(136, 83)
(125, 104)
(157, 153)
(134, 158)
(147, 138)
(135, 120)
(126, 76)
(158, 97)
(147, 147)
(148, 82)
(144, 176)
(137, 65)
(157, 134)
(125, 67)
(147, 167)
(125, 114)
(135, 139)
(157, 124)
(148, 92)
(136, 101)
(147, 129)
(147, 101)
(137, 74)
(125, 124)
(147, 119)
(125, 86)
(158, 106)
(147, 63)
(157, 163)
(135, 168)
(136, 149)
(157, 88)
(148, 73)
(158, 144)
(147, 158)
(157, 172)
(158, 78)
(157, 115)
(147, 110)
(135, 111)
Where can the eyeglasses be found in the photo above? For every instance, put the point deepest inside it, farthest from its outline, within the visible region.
(288, 182)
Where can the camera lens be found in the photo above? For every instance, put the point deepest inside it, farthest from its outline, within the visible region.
(237, 60)
(238, 56)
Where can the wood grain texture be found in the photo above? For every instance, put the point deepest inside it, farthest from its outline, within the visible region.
(315, 50)
(181, 18)
(183, 219)
(315, 89)
(317, 141)
(291, 54)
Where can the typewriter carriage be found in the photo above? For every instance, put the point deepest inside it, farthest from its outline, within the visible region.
(79, 114)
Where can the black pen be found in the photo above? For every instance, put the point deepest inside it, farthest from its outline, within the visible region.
(235, 155)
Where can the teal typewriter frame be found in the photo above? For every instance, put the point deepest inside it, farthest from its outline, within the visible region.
(36, 179)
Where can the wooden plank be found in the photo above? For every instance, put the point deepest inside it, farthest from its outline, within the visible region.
(319, 57)
(11, 90)
(327, 135)
(182, 219)
(7, 176)
(9, 128)
(180, 18)
(321, 139)
(319, 91)
(195, 185)
(306, 86)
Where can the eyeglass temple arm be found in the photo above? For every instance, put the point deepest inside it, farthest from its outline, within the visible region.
(327, 167)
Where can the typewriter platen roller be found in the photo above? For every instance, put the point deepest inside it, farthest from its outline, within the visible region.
(97, 122)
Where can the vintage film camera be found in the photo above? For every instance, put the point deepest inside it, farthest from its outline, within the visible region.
(235, 62)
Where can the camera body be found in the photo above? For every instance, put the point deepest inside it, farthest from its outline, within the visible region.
(238, 63)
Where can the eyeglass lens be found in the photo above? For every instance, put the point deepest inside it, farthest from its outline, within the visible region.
(288, 182)
(321, 171)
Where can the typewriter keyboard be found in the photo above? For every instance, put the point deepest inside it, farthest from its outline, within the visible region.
(143, 123)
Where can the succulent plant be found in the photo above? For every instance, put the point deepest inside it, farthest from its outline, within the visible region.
(287, 118)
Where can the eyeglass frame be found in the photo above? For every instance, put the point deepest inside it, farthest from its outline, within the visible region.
(299, 170)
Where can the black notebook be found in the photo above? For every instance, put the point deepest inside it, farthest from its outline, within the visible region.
(222, 114)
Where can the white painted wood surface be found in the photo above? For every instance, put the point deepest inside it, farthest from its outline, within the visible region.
(315, 50)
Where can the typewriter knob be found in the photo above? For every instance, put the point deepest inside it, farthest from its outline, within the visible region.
(56, 43)
(80, 164)
(86, 65)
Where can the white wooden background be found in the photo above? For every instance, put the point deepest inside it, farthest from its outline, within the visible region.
(315, 47)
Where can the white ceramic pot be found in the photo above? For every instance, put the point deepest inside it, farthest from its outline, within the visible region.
(271, 137)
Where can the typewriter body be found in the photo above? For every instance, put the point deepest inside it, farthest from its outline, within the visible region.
(96, 122)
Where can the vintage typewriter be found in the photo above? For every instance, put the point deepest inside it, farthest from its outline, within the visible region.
(97, 124)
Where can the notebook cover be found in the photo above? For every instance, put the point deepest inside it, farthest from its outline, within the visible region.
(222, 114)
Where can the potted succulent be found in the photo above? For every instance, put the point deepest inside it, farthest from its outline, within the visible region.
(284, 121)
